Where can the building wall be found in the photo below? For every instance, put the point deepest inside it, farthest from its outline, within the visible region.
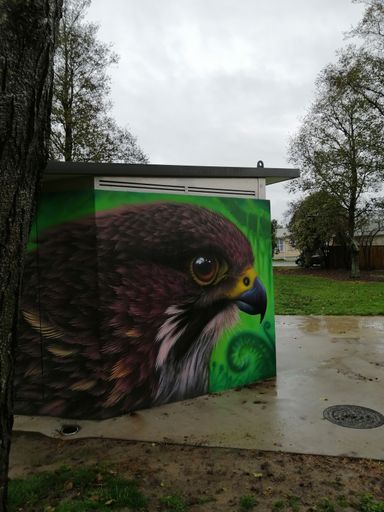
(379, 240)
(286, 251)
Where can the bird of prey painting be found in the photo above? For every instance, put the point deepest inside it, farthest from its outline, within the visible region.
(121, 310)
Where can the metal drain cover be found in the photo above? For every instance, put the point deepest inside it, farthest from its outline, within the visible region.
(353, 416)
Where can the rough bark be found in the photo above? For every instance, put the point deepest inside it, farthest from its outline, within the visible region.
(28, 29)
(354, 250)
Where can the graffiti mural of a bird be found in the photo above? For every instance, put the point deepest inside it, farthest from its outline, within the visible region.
(121, 311)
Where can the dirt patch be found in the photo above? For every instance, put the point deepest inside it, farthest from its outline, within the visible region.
(213, 479)
(338, 275)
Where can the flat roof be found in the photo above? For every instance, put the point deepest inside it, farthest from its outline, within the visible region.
(67, 169)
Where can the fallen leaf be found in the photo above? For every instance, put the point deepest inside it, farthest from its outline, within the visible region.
(68, 485)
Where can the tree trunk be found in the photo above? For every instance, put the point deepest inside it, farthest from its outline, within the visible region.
(354, 253)
(307, 259)
(28, 30)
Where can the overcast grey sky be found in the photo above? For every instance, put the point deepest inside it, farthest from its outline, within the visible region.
(219, 82)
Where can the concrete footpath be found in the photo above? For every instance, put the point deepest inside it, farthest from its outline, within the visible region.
(322, 361)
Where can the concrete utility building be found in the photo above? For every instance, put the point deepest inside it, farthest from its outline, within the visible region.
(145, 284)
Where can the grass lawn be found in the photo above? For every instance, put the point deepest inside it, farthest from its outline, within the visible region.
(75, 490)
(91, 488)
(300, 294)
(86, 489)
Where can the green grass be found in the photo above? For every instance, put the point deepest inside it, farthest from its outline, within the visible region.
(365, 503)
(326, 505)
(75, 490)
(293, 503)
(247, 503)
(309, 295)
(368, 504)
(278, 506)
(173, 503)
(95, 488)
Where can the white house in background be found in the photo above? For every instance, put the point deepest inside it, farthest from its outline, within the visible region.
(284, 247)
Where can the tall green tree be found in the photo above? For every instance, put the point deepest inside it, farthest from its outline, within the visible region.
(274, 226)
(361, 66)
(316, 221)
(339, 149)
(363, 73)
(340, 145)
(370, 29)
(28, 31)
(82, 127)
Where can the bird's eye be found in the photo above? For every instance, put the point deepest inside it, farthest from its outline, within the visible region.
(204, 269)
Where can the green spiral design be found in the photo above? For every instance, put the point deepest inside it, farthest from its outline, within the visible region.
(244, 351)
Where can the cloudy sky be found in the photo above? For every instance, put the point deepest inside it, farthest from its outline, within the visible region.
(219, 82)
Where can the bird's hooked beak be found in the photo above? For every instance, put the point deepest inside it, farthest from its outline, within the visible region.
(249, 294)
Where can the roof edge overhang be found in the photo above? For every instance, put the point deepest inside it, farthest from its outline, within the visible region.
(68, 169)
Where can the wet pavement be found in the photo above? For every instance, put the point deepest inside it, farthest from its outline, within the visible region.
(321, 361)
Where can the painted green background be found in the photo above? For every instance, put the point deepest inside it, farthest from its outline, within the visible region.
(243, 354)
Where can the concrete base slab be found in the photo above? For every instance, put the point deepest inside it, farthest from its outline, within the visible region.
(322, 361)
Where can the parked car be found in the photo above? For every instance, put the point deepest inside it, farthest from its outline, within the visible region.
(316, 260)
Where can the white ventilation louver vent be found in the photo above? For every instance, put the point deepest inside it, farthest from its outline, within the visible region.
(225, 187)
(120, 184)
(221, 191)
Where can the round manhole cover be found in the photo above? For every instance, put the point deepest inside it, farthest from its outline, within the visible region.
(353, 416)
